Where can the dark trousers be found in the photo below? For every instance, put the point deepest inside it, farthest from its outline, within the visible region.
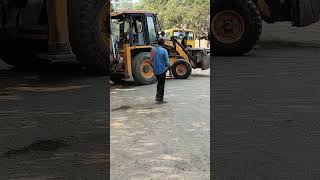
(160, 86)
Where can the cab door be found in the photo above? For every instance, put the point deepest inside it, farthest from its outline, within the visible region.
(138, 30)
(151, 26)
(305, 12)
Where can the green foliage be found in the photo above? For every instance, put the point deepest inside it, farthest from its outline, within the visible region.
(190, 14)
(122, 5)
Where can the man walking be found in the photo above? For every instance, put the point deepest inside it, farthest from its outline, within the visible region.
(160, 62)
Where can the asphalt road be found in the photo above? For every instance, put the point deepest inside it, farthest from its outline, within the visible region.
(167, 141)
(53, 124)
(266, 108)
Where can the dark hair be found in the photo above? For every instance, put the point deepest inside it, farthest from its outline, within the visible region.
(161, 41)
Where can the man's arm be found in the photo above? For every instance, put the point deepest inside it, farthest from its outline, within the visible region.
(166, 56)
(152, 53)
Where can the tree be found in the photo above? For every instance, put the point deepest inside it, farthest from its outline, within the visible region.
(120, 5)
(190, 14)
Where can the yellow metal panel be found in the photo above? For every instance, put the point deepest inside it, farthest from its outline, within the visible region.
(58, 24)
(182, 53)
(191, 43)
(127, 60)
(172, 60)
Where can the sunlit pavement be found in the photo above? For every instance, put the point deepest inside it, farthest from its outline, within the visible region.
(161, 141)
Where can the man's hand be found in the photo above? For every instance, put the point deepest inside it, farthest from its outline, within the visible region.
(170, 71)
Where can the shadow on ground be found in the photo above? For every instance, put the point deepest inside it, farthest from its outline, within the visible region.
(53, 123)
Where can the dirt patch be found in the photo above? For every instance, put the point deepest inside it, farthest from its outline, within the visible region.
(122, 108)
(42, 145)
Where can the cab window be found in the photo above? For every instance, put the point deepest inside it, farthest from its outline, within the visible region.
(191, 36)
(138, 30)
(167, 35)
(151, 29)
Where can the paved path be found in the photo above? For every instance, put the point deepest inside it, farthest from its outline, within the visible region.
(266, 108)
(53, 125)
(168, 141)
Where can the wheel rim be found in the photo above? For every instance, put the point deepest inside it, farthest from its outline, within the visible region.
(181, 70)
(227, 26)
(104, 23)
(146, 69)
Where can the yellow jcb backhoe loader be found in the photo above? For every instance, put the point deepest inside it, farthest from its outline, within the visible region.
(134, 33)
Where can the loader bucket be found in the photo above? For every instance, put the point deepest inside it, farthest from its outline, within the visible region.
(202, 58)
(205, 62)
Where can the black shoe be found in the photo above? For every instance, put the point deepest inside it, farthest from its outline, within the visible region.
(161, 101)
(158, 99)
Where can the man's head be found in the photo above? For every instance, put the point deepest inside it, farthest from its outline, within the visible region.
(161, 41)
(187, 33)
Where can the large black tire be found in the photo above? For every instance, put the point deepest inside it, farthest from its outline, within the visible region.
(141, 69)
(181, 69)
(21, 53)
(87, 36)
(238, 36)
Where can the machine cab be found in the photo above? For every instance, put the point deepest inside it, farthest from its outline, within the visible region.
(137, 28)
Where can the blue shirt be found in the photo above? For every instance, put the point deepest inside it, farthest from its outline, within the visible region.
(160, 60)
